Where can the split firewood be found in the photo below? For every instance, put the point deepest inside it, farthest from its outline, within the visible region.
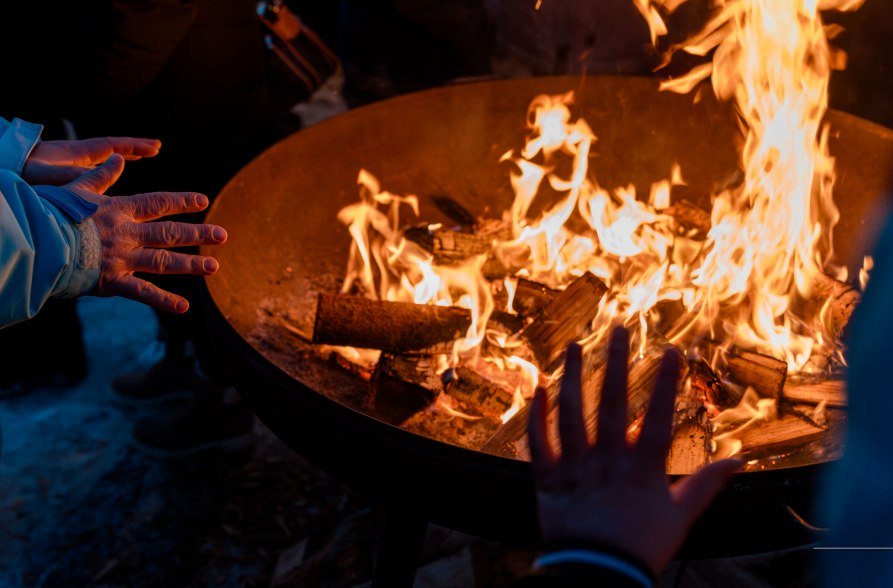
(453, 247)
(766, 375)
(690, 446)
(564, 320)
(831, 392)
(642, 377)
(396, 327)
(532, 297)
(474, 390)
(403, 385)
(831, 300)
(454, 211)
(777, 436)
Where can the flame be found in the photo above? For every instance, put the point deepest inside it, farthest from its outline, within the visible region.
(771, 233)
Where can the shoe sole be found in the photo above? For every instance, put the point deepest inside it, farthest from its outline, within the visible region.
(226, 446)
(129, 402)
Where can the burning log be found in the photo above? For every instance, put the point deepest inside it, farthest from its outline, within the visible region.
(403, 385)
(474, 390)
(830, 392)
(834, 302)
(530, 297)
(690, 217)
(831, 300)
(777, 436)
(764, 374)
(396, 327)
(706, 384)
(452, 247)
(564, 320)
(690, 447)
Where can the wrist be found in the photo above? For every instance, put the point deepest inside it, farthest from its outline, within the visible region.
(587, 552)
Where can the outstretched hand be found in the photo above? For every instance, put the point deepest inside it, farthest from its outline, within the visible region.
(59, 162)
(614, 493)
(130, 244)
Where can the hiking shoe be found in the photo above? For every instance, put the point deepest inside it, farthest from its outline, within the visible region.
(193, 429)
(170, 378)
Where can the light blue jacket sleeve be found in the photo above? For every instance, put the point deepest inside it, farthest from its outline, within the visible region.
(17, 139)
(43, 252)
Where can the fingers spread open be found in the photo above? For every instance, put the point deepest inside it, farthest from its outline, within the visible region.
(654, 441)
(100, 179)
(612, 409)
(40, 172)
(155, 205)
(142, 291)
(95, 151)
(694, 493)
(571, 428)
(161, 261)
(171, 234)
(542, 456)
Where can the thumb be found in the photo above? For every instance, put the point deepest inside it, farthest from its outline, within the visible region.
(696, 492)
(101, 178)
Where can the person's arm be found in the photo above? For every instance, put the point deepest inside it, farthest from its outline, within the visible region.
(17, 139)
(43, 252)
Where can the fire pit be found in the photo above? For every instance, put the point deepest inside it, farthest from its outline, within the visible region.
(444, 146)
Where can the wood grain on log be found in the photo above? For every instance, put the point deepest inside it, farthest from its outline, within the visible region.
(564, 320)
(690, 447)
(777, 436)
(766, 375)
(396, 327)
(832, 392)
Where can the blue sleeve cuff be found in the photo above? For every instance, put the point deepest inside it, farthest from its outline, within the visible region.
(597, 559)
(17, 140)
(68, 202)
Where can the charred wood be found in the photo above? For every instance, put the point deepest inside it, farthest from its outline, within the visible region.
(396, 327)
(478, 392)
(403, 385)
(564, 320)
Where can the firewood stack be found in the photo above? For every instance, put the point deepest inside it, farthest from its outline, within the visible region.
(413, 387)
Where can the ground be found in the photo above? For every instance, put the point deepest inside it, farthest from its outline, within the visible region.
(80, 507)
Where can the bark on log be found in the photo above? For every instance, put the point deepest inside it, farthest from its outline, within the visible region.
(476, 391)
(832, 392)
(764, 374)
(777, 436)
(396, 327)
(690, 447)
(564, 320)
(403, 385)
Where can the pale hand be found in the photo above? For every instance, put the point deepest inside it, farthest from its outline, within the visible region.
(614, 493)
(59, 162)
(130, 244)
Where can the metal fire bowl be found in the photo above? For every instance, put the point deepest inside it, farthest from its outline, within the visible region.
(285, 245)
